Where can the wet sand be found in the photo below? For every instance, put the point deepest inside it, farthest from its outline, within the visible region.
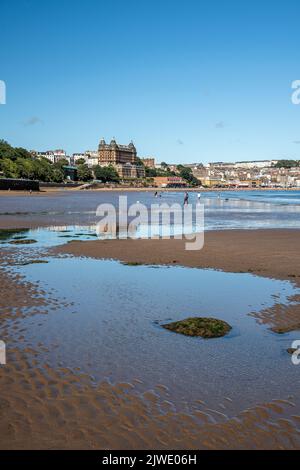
(270, 253)
(53, 190)
(43, 408)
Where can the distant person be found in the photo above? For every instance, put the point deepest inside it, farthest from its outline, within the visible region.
(186, 199)
(156, 194)
(199, 197)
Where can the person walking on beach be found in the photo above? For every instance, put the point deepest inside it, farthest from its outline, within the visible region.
(199, 197)
(186, 199)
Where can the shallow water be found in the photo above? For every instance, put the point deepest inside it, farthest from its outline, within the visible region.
(111, 328)
(227, 210)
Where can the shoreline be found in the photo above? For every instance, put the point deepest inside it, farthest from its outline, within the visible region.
(56, 190)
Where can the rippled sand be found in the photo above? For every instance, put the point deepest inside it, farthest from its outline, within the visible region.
(46, 408)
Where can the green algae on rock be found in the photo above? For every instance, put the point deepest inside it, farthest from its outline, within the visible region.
(26, 241)
(33, 261)
(6, 233)
(204, 327)
(132, 263)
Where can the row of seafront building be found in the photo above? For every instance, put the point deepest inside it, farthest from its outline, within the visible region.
(90, 157)
(252, 174)
(244, 174)
(123, 157)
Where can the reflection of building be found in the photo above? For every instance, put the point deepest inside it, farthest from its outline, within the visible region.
(122, 157)
(169, 182)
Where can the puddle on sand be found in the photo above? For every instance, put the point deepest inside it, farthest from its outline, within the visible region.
(113, 329)
(46, 237)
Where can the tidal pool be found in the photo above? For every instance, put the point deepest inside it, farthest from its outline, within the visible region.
(111, 328)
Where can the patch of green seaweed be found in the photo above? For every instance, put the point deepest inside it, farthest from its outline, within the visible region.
(204, 327)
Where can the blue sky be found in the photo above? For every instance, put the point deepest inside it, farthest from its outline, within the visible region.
(188, 81)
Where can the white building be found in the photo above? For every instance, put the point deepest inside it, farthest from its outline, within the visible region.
(53, 155)
(92, 158)
(79, 156)
(256, 164)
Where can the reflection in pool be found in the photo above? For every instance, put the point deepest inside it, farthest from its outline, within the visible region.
(112, 329)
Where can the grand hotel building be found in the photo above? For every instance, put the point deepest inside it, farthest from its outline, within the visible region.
(122, 157)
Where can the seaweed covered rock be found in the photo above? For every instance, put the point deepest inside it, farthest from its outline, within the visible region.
(7, 233)
(204, 327)
(26, 241)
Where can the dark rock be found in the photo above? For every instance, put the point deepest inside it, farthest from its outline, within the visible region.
(26, 241)
(6, 233)
(204, 327)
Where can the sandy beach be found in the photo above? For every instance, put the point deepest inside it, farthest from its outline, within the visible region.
(46, 408)
(65, 408)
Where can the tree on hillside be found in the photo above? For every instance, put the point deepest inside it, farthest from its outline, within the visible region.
(22, 153)
(187, 175)
(6, 151)
(9, 168)
(25, 168)
(150, 172)
(84, 173)
(287, 163)
(43, 170)
(18, 163)
(57, 175)
(139, 161)
(60, 163)
(80, 161)
(106, 174)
